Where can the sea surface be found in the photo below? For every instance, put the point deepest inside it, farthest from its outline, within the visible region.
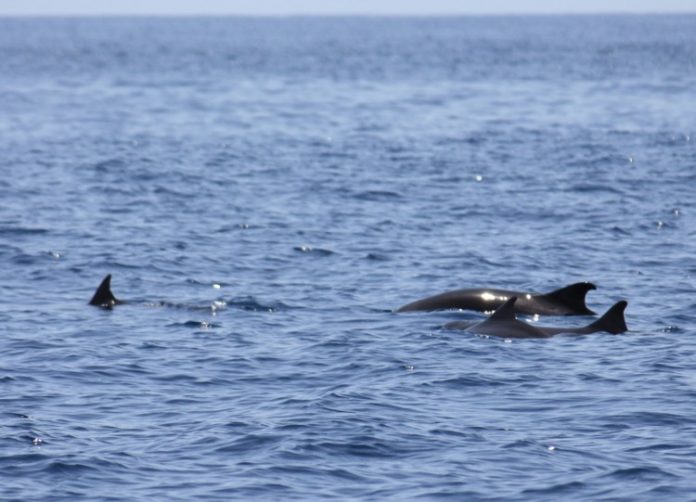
(266, 191)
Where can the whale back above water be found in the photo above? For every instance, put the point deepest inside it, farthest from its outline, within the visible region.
(103, 297)
(569, 300)
(503, 323)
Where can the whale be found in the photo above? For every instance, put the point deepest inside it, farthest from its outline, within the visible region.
(103, 297)
(503, 323)
(569, 300)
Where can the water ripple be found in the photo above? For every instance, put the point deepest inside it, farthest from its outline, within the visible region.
(266, 191)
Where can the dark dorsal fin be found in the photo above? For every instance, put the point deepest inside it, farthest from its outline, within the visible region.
(506, 312)
(573, 296)
(613, 319)
(103, 297)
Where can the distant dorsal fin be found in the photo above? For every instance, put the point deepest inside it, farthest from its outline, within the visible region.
(506, 311)
(613, 320)
(103, 297)
(573, 296)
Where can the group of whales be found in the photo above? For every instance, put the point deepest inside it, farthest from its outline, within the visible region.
(569, 300)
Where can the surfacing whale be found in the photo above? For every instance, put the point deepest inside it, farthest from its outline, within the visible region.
(503, 323)
(103, 297)
(569, 300)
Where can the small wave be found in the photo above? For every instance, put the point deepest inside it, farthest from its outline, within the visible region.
(656, 225)
(521, 443)
(660, 447)
(179, 377)
(34, 345)
(643, 473)
(249, 303)
(557, 489)
(344, 474)
(9, 250)
(222, 159)
(438, 431)
(314, 251)
(364, 447)
(68, 467)
(195, 324)
(469, 381)
(164, 190)
(15, 231)
(377, 195)
(109, 165)
(21, 459)
(671, 329)
(151, 346)
(24, 259)
(620, 231)
(250, 442)
(593, 377)
(334, 154)
(376, 257)
(215, 284)
(643, 418)
(595, 188)
(215, 306)
(233, 228)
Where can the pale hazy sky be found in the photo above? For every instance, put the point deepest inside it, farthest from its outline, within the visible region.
(299, 7)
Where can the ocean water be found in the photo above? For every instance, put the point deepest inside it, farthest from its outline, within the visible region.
(266, 191)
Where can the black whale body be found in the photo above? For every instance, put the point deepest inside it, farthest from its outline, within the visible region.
(569, 300)
(503, 323)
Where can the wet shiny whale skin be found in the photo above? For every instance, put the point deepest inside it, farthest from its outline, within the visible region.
(569, 300)
(503, 323)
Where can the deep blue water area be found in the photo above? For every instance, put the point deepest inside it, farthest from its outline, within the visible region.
(265, 191)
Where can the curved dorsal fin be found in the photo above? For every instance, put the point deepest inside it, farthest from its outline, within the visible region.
(506, 311)
(103, 297)
(613, 320)
(573, 296)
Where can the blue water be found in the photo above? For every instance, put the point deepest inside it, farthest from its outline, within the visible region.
(266, 191)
